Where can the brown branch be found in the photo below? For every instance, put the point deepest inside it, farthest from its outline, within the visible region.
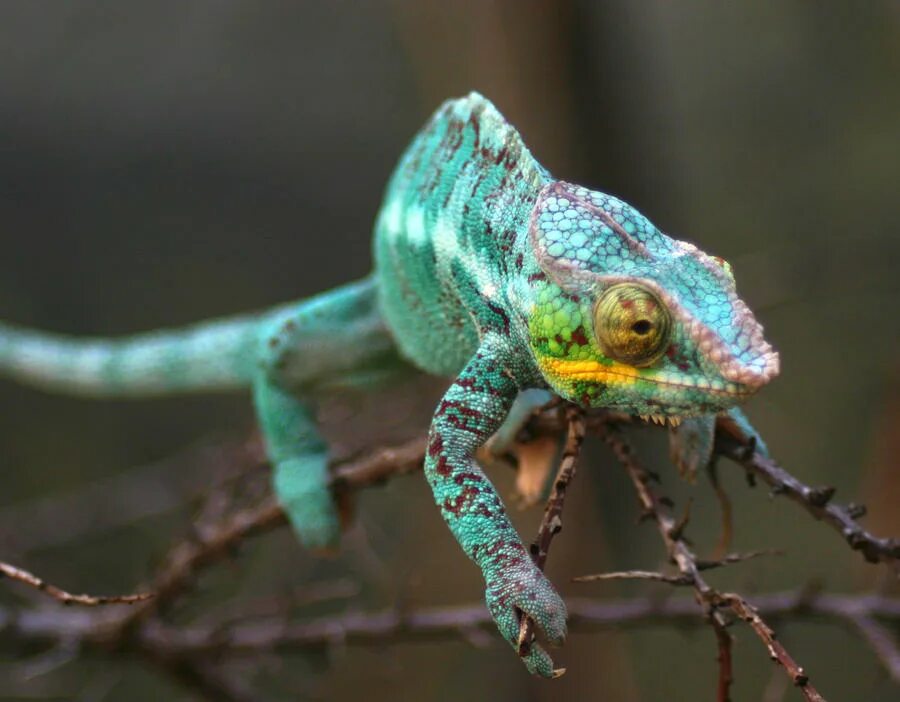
(710, 600)
(726, 669)
(777, 651)
(634, 575)
(551, 524)
(67, 598)
(271, 633)
(733, 444)
(190, 650)
(218, 541)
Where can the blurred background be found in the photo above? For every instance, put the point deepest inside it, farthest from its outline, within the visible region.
(162, 162)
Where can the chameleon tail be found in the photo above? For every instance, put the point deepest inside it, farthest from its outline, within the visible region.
(212, 355)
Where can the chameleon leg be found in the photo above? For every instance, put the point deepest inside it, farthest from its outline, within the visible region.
(691, 443)
(471, 410)
(337, 338)
(299, 459)
(739, 418)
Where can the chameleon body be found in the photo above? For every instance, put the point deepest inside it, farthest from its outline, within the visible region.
(488, 271)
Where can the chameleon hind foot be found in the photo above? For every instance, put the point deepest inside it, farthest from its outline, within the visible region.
(301, 488)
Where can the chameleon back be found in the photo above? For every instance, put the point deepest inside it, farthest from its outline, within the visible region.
(451, 223)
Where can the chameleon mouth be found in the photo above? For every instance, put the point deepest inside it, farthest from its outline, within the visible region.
(621, 374)
(661, 419)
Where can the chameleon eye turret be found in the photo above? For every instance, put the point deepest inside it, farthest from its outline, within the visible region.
(632, 324)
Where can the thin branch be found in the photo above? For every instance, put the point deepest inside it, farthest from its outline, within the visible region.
(272, 633)
(218, 541)
(210, 680)
(190, 651)
(726, 669)
(880, 640)
(733, 444)
(67, 598)
(551, 524)
(634, 575)
(745, 611)
(671, 531)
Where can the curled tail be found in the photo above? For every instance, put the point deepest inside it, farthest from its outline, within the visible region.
(213, 355)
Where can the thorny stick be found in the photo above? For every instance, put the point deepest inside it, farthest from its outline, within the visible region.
(212, 544)
(23, 576)
(731, 443)
(707, 597)
(195, 647)
(551, 524)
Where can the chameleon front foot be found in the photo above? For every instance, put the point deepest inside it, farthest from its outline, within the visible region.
(528, 591)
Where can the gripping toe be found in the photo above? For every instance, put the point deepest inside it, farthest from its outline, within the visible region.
(529, 592)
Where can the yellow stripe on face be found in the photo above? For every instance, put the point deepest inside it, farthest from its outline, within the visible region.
(589, 370)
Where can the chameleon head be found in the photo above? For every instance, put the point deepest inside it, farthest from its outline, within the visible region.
(626, 317)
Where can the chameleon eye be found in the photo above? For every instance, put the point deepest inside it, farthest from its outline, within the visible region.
(632, 324)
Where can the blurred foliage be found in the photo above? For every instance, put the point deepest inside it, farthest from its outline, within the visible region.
(166, 161)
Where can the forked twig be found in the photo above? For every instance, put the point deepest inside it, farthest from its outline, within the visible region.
(711, 601)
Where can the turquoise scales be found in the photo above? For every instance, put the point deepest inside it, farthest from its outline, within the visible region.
(490, 272)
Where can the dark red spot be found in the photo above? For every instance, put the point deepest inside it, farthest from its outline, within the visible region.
(501, 313)
(579, 337)
(435, 446)
(442, 466)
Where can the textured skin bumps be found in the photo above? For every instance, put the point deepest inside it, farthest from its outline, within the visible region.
(492, 273)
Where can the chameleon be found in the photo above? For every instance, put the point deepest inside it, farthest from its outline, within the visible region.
(487, 271)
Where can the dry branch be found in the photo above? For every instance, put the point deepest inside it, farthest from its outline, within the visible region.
(712, 602)
(733, 444)
(196, 653)
(67, 598)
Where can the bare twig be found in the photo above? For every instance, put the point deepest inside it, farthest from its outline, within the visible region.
(551, 524)
(23, 576)
(273, 633)
(219, 540)
(709, 598)
(634, 575)
(881, 641)
(733, 444)
(191, 651)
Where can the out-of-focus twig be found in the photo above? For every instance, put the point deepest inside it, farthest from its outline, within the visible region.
(12, 572)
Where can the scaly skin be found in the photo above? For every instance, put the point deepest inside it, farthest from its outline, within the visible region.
(489, 271)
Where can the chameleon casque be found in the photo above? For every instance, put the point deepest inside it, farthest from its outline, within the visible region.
(488, 271)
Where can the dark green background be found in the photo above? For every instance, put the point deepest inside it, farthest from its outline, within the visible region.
(162, 162)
